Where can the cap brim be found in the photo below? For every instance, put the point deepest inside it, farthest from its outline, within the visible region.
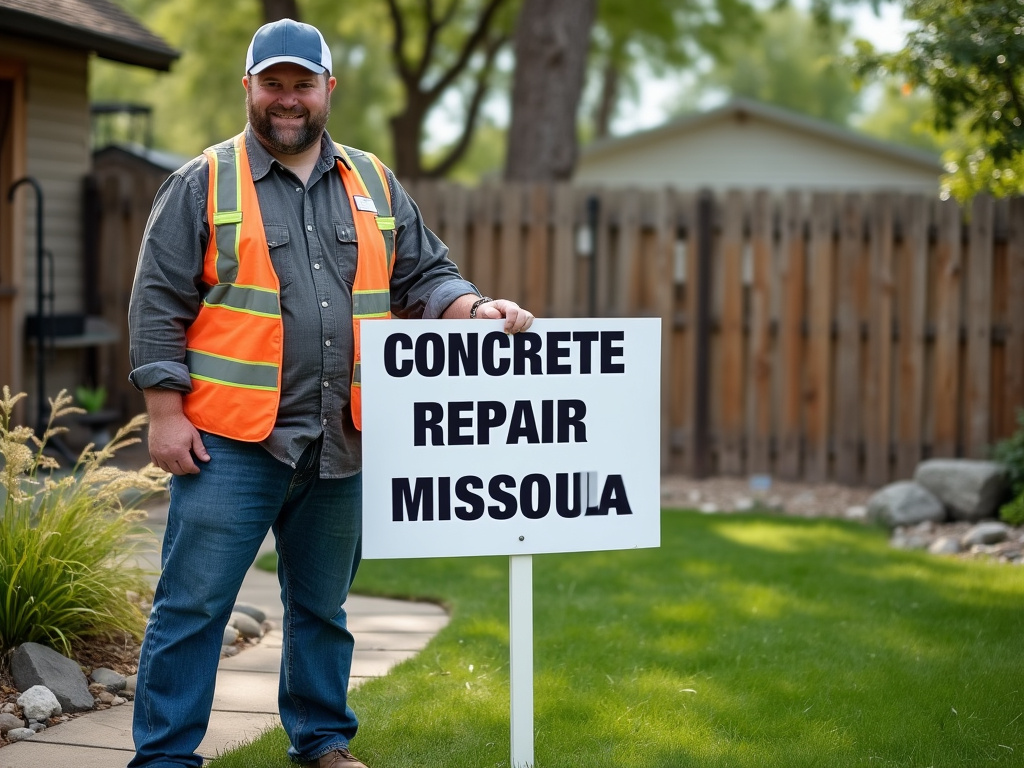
(306, 63)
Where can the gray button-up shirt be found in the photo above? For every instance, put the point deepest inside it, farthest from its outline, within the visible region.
(312, 239)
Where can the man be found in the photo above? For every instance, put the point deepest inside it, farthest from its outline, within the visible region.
(260, 260)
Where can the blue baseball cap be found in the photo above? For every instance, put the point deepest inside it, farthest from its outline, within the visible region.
(288, 41)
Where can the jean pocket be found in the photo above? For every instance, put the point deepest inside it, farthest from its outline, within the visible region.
(281, 255)
(346, 251)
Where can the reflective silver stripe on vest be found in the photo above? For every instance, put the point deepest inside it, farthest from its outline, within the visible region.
(367, 170)
(357, 378)
(230, 372)
(371, 303)
(254, 301)
(227, 215)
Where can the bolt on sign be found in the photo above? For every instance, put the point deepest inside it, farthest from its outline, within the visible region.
(476, 442)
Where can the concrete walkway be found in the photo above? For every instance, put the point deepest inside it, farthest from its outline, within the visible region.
(386, 631)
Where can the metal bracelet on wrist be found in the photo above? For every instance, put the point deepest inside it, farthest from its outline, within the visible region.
(476, 305)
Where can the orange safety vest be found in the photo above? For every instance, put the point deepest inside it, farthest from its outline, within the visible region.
(234, 348)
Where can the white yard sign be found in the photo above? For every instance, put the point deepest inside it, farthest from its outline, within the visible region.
(480, 443)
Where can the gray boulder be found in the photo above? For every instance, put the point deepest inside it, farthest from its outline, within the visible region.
(970, 490)
(35, 664)
(20, 734)
(905, 503)
(38, 703)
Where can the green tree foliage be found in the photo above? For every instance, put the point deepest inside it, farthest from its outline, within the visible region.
(904, 115)
(970, 55)
(793, 61)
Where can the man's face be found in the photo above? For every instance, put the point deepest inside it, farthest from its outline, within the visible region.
(288, 106)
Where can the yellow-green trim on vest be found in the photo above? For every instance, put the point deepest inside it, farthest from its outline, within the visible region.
(371, 303)
(366, 169)
(244, 298)
(227, 216)
(229, 371)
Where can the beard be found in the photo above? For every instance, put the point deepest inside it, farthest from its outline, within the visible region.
(292, 141)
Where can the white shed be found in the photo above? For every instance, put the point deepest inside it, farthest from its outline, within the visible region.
(747, 144)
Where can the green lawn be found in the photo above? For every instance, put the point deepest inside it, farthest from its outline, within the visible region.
(745, 641)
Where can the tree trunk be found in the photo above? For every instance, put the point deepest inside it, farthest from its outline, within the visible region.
(275, 10)
(551, 45)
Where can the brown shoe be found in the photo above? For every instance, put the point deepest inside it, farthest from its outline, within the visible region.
(338, 758)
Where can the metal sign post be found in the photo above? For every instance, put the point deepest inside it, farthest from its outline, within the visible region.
(520, 616)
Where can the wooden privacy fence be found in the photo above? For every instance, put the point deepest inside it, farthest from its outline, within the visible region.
(839, 337)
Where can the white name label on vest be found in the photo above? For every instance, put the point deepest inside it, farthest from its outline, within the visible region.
(476, 442)
(364, 204)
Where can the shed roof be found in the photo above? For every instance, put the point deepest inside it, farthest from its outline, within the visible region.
(93, 25)
(741, 109)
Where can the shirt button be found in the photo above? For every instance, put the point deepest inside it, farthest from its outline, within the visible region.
(323, 303)
(309, 227)
(316, 266)
(324, 422)
(298, 189)
(327, 383)
(327, 343)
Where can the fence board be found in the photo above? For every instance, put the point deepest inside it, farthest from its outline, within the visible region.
(792, 286)
(949, 277)
(878, 391)
(538, 276)
(759, 400)
(847, 370)
(626, 261)
(731, 388)
(511, 262)
(485, 251)
(564, 267)
(1013, 384)
(979, 328)
(455, 214)
(913, 280)
(819, 378)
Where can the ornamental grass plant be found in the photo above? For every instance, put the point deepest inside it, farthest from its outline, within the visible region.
(69, 541)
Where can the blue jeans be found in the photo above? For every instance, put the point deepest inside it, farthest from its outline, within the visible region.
(216, 523)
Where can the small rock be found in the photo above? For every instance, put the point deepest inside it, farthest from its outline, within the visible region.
(10, 708)
(227, 651)
(34, 664)
(986, 533)
(246, 625)
(130, 684)
(105, 697)
(20, 734)
(117, 701)
(945, 545)
(9, 721)
(251, 610)
(37, 727)
(109, 679)
(904, 503)
(230, 635)
(856, 512)
(39, 703)
(708, 508)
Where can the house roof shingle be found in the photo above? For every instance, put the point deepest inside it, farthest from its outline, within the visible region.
(95, 25)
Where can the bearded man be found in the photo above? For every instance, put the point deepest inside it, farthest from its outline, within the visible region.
(260, 260)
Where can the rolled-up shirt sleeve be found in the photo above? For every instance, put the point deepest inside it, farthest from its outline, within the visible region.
(166, 294)
(425, 281)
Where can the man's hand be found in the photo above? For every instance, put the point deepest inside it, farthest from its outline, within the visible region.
(516, 318)
(172, 438)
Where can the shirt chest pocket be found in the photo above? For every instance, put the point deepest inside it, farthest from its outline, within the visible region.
(281, 255)
(346, 250)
